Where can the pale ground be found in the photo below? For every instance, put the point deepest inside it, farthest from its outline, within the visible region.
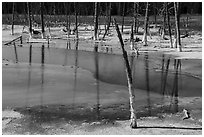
(165, 124)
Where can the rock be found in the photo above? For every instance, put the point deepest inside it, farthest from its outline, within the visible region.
(5, 122)
(10, 114)
(186, 114)
(95, 123)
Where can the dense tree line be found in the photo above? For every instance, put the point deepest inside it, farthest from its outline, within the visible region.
(87, 8)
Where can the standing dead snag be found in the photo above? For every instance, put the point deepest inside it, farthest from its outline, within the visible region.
(13, 13)
(96, 21)
(177, 17)
(133, 118)
(136, 17)
(29, 19)
(109, 20)
(145, 26)
(169, 25)
(123, 19)
(76, 20)
(164, 21)
(42, 20)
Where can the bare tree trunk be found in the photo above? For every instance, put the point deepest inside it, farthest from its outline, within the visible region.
(123, 19)
(76, 20)
(13, 14)
(145, 25)
(67, 6)
(109, 20)
(177, 18)
(119, 8)
(155, 14)
(169, 26)
(133, 118)
(29, 18)
(164, 20)
(96, 21)
(135, 17)
(132, 38)
(42, 20)
(137, 8)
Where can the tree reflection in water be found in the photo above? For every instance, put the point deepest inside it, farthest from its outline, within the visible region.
(97, 81)
(147, 83)
(75, 72)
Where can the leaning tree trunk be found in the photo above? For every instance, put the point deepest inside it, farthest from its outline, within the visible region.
(29, 18)
(145, 26)
(13, 14)
(42, 20)
(169, 26)
(133, 118)
(96, 21)
(177, 17)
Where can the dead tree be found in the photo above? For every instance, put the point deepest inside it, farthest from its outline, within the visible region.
(42, 20)
(29, 18)
(169, 25)
(109, 20)
(146, 25)
(136, 8)
(76, 20)
(164, 20)
(133, 118)
(132, 42)
(155, 13)
(67, 7)
(96, 21)
(123, 19)
(177, 18)
(68, 19)
(13, 15)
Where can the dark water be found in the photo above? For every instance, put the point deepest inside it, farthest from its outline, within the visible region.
(153, 73)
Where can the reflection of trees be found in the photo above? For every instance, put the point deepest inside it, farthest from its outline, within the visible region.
(147, 82)
(68, 43)
(15, 51)
(162, 73)
(95, 47)
(164, 76)
(66, 53)
(43, 54)
(28, 84)
(42, 72)
(75, 71)
(174, 95)
(97, 85)
(30, 54)
(42, 82)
